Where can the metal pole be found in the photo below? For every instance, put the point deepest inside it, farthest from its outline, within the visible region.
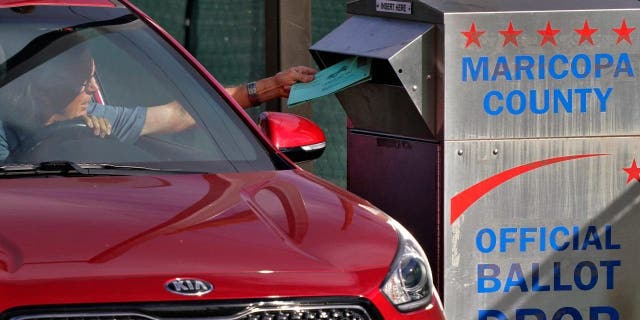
(188, 18)
(272, 44)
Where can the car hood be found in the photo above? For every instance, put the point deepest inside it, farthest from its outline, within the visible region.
(110, 239)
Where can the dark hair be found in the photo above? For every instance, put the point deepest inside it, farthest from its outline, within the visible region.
(56, 83)
(29, 100)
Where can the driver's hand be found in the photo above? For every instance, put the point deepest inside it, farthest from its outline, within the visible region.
(285, 79)
(101, 126)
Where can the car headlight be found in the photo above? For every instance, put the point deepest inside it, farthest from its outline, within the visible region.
(409, 284)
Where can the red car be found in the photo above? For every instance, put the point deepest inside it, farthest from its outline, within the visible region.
(183, 208)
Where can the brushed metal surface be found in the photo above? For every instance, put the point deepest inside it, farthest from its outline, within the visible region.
(590, 191)
(465, 111)
(400, 99)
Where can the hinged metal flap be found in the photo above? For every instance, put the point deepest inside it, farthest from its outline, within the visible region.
(373, 37)
(402, 72)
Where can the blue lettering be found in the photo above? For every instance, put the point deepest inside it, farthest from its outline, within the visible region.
(552, 66)
(602, 61)
(553, 238)
(564, 313)
(543, 239)
(535, 279)
(533, 96)
(511, 105)
(559, 99)
(501, 69)
(559, 238)
(595, 312)
(583, 98)
(591, 238)
(577, 275)
(487, 103)
(624, 65)
(573, 312)
(557, 66)
(575, 63)
(576, 237)
(610, 265)
(504, 239)
(524, 63)
(468, 67)
(488, 282)
(607, 239)
(515, 279)
(526, 314)
(603, 98)
(480, 237)
(517, 102)
(585, 276)
(557, 281)
(494, 314)
(524, 239)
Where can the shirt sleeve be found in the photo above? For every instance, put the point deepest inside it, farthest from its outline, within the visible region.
(126, 123)
(4, 143)
(9, 140)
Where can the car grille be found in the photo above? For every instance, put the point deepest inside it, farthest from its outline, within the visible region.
(318, 313)
(340, 313)
(356, 309)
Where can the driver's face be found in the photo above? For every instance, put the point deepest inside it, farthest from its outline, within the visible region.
(78, 106)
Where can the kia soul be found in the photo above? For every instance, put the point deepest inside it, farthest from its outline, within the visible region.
(182, 208)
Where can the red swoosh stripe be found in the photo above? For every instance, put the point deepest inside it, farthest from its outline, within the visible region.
(463, 200)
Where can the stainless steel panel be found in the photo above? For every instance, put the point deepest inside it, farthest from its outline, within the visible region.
(526, 5)
(502, 74)
(401, 96)
(432, 10)
(525, 187)
(384, 108)
(415, 66)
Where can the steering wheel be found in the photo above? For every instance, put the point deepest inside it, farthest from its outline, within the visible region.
(73, 140)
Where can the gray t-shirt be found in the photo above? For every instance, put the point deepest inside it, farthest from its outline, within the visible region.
(126, 125)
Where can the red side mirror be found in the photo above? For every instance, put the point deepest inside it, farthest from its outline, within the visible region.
(297, 137)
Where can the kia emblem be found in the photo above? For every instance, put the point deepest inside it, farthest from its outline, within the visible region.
(188, 286)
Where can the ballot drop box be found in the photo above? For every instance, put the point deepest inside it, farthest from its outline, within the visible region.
(505, 134)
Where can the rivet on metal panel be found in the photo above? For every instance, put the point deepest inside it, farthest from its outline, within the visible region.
(414, 88)
(429, 77)
(460, 152)
(495, 152)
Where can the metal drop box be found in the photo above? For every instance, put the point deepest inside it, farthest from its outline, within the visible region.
(402, 73)
(504, 135)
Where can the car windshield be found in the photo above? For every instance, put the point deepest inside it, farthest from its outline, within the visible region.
(97, 85)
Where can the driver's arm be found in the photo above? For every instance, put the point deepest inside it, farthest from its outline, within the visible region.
(167, 118)
(271, 88)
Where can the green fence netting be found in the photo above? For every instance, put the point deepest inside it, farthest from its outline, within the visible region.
(170, 14)
(327, 112)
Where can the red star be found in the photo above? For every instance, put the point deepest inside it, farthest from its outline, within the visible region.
(473, 35)
(623, 32)
(510, 35)
(548, 35)
(633, 171)
(585, 33)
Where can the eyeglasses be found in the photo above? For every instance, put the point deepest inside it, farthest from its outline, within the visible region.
(88, 86)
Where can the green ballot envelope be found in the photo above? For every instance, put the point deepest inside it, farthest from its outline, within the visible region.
(342, 75)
